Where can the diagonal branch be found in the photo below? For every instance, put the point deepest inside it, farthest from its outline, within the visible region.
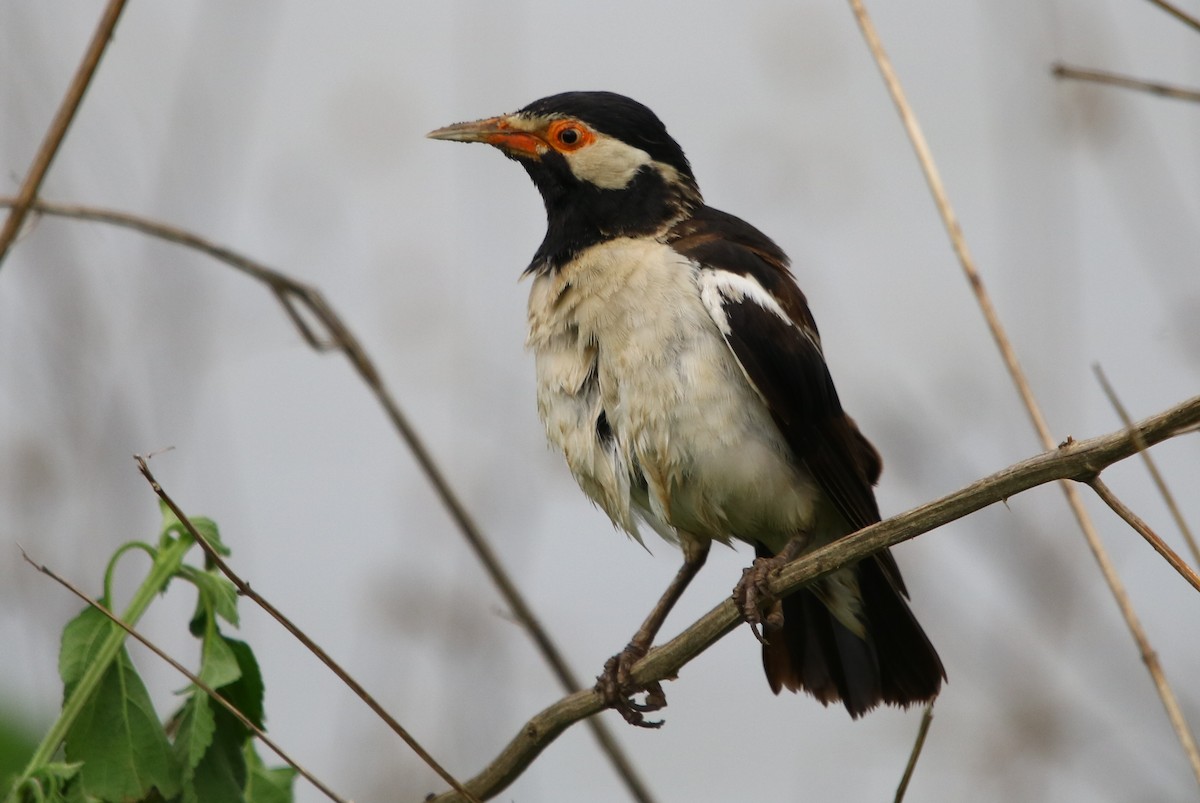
(1143, 529)
(1060, 70)
(918, 745)
(298, 298)
(1020, 381)
(245, 590)
(58, 127)
(183, 670)
(1160, 482)
(1178, 13)
(1080, 461)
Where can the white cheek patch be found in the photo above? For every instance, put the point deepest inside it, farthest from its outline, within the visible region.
(608, 163)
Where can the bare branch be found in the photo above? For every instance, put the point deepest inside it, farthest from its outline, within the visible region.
(1009, 355)
(1174, 712)
(58, 127)
(1061, 70)
(294, 295)
(181, 669)
(1178, 13)
(1143, 529)
(245, 590)
(918, 745)
(1159, 481)
(1074, 460)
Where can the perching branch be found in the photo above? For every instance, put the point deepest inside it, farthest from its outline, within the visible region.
(1080, 461)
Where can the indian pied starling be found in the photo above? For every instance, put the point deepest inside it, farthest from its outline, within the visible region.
(680, 372)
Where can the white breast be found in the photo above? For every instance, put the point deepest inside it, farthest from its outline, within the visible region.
(622, 330)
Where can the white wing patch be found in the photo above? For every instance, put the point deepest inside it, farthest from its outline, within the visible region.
(721, 287)
(717, 287)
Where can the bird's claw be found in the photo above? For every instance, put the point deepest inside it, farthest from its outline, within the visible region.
(617, 687)
(753, 594)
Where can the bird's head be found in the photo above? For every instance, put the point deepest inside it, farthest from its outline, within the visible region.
(605, 166)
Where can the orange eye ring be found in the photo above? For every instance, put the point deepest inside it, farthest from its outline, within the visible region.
(569, 135)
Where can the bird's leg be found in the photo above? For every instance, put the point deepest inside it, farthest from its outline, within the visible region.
(752, 593)
(615, 683)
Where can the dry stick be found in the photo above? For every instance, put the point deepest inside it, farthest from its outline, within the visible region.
(1178, 13)
(1060, 70)
(289, 292)
(1151, 466)
(1075, 460)
(245, 590)
(58, 127)
(1143, 529)
(200, 684)
(922, 732)
(950, 220)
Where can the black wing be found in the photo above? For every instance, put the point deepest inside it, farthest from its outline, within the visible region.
(766, 321)
(752, 298)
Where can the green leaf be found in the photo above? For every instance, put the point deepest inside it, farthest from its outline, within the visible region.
(221, 774)
(265, 785)
(220, 771)
(90, 651)
(208, 528)
(172, 527)
(82, 639)
(48, 783)
(194, 728)
(217, 595)
(119, 739)
(246, 693)
(17, 743)
(218, 663)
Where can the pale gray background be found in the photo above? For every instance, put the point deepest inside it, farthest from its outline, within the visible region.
(294, 133)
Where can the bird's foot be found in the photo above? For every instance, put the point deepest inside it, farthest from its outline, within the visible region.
(753, 595)
(617, 687)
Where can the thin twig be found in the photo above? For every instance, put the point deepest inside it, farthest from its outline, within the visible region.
(1060, 70)
(1074, 460)
(1174, 712)
(291, 293)
(200, 684)
(1152, 467)
(1143, 529)
(1178, 13)
(245, 590)
(922, 732)
(59, 125)
(958, 242)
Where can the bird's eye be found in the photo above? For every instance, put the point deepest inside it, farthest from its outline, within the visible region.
(570, 135)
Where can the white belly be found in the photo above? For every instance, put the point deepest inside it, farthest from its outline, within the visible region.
(686, 442)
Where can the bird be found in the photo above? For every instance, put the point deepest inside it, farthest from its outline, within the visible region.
(680, 372)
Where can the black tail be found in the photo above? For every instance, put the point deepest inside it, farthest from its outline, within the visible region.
(894, 664)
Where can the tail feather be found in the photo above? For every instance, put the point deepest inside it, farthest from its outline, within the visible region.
(895, 664)
(909, 666)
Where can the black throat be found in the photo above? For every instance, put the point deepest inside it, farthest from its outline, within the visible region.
(580, 214)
